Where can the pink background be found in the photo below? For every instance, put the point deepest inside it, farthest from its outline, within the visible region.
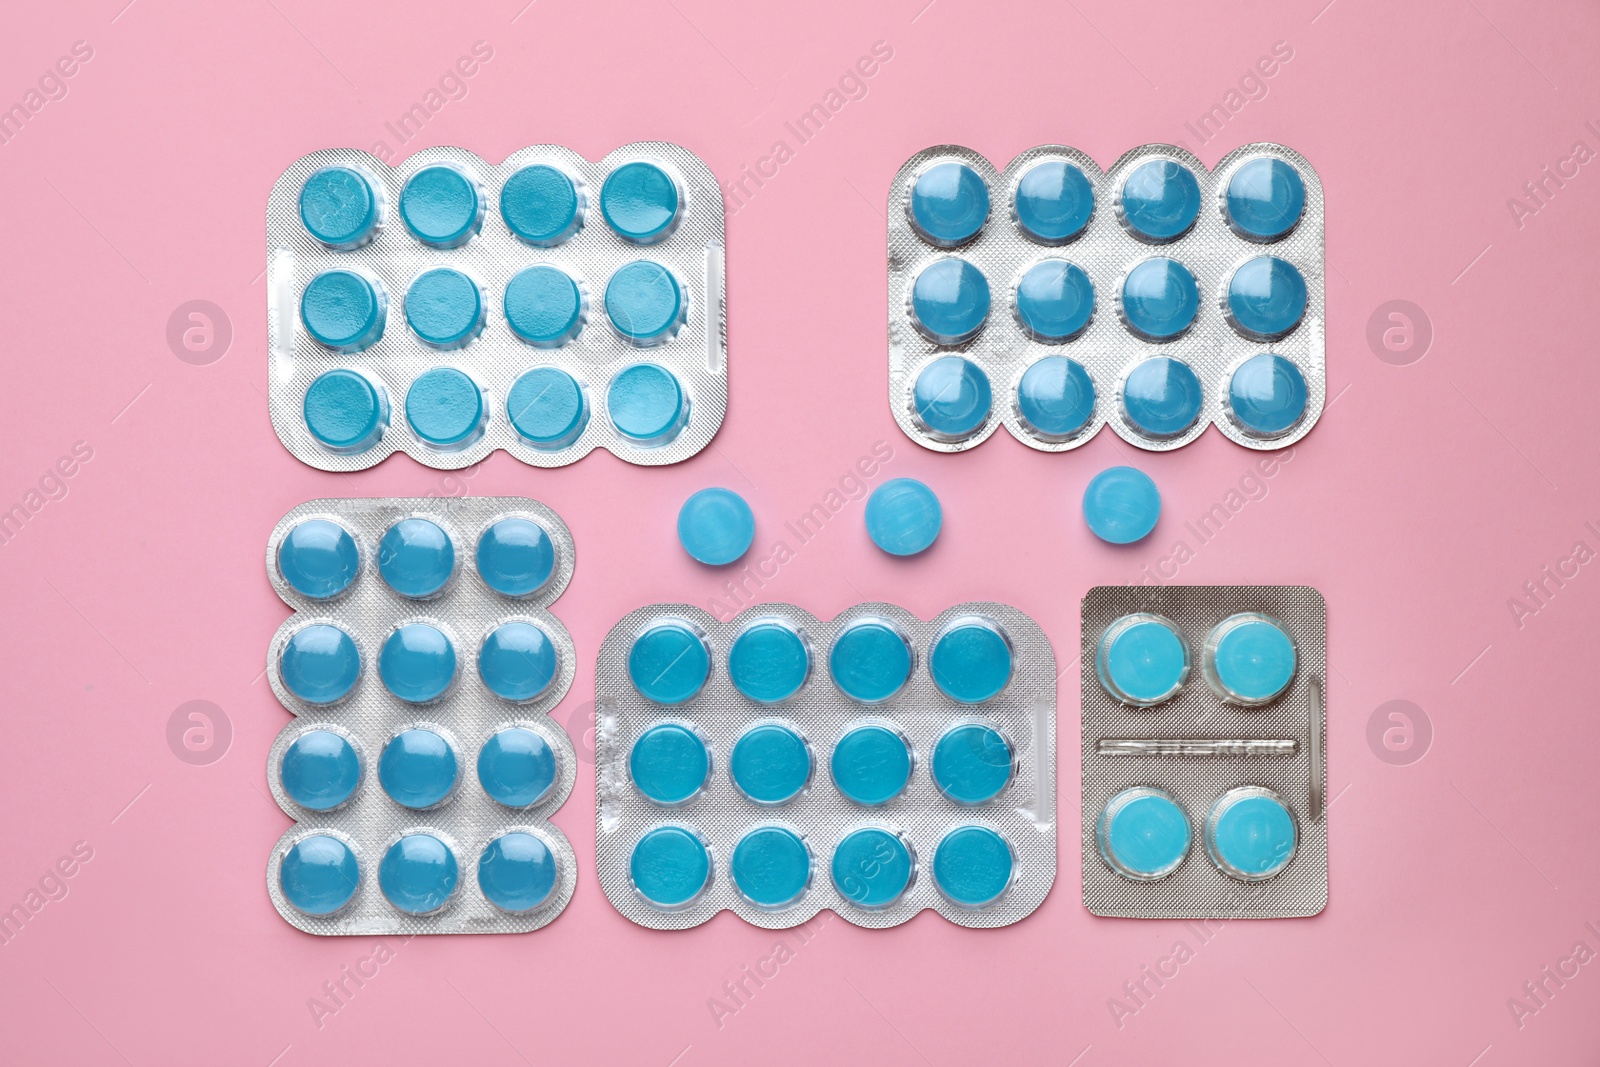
(1427, 496)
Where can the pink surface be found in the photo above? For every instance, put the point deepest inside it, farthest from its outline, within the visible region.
(1426, 498)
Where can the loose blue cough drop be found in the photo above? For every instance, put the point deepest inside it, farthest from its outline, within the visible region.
(1121, 505)
(903, 517)
(716, 526)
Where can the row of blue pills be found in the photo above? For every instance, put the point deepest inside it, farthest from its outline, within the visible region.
(1247, 659)
(1144, 835)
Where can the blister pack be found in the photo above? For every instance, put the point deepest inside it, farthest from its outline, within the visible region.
(776, 764)
(1204, 751)
(421, 665)
(448, 307)
(1053, 298)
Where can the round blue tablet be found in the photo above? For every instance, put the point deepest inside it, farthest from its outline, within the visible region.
(416, 557)
(340, 207)
(973, 866)
(320, 663)
(548, 408)
(670, 763)
(319, 874)
(641, 202)
(1266, 298)
(645, 303)
(716, 526)
(670, 867)
(417, 663)
(871, 764)
(903, 517)
(769, 661)
(669, 662)
(972, 763)
(1054, 202)
(445, 409)
(647, 404)
(949, 301)
(445, 308)
(1162, 396)
(1055, 398)
(771, 763)
(1121, 505)
(346, 411)
(1160, 200)
(418, 874)
(1143, 834)
(1248, 659)
(320, 770)
(344, 309)
(951, 398)
(517, 872)
(870, 660)
(542, 205)
(319, 559)
(771, 867)
(517, 767)
(516, 557)
(518, 661)
(545, 306)
(1159, 299)
(1265, 200)
(1267, 395)
(1054, 301)
(971, 660)
(1250, 834)
(949, 204)
(1142, 660)
(872, 867)
(418, 768)
(441, 206)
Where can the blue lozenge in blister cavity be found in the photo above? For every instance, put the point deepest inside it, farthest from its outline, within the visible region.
(948, 205)
(641, 202)
(1159, 201)
(419, 874)
(1143, 834)
(1267, 395)
(517, 767)
(973, 866)
(972, 763)
(871, 764)
(1162, 397)
(320, 770)
(1266, 298)
(1251, 834)
(1055, 398)
(771, 763)
(416, 558)
(769, 661)
(417, 662)
(320, 663)
(951, 398)
(419, 769)
(346, 411)
(542, 205)
(545, 306)
(870, 660)
(949, 301)
(669, 662)
(1248, 659)
(1265, 200)
(1159, 299)
(445, 409)
(341, 207)
(872, 867)
(647, 404)
(1142, 660)
(670, 867)
(517, 872)
(319, 559)
(445, 308)
(548, 408)
(669, 763)
(1054, 202)
(344, 309)
(319, 874)
(442, 206)
(971, 660)
(645, 303)
(518, 661)
(1054, 301)
(771, 867)
(516, 557)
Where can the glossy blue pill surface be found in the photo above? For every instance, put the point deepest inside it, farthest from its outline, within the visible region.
(445, 408)
(344, 310)
(716, 526)
(544, 306)
(339, 207)
(970, 661)
(1266, 298)
(646, 403)
(903, 517)
(949, 203)
(419, 874)
(417, 662)
(320, 663)
(1249, 659)
(949, 301)
(1054, 202)
(319, 874)
(1054, 301)
(870, 661)
(871, 764)
(441, 207)
(547, 407)
(444, 308)
(418, 768)
(517, 872)
(645, 302)
(951, 398)
(1159, 299)
(320, 770)
(518, 661)
(972, 866)
(641, 202)
(1267, 394)
(346, 411)
(517, 767)
(1142, 660)
(1121, 505)
(541, 205)
(1265, 199)
(768, 662)
(1143, 834)
(669, 763)
(319, 559)
(972, 763)
(516, 557)
(872, 867)
(669, 663)
(1250, 834)
(670, 867)
(771, 867)
(1162, 396)
(416, 557)
(1160, 200)
(771, 763)
(1055, 397)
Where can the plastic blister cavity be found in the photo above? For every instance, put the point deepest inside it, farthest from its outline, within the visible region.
(1053, 298)
(421, 664)
(448, 307)
(874, 764)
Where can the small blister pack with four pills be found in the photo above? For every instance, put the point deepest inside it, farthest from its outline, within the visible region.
(1204, 759)
(1053, 298)
(875, 764)
(421, 664)
(448, 307)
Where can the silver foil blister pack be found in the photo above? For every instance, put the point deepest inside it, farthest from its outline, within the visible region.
(1008, 378)
(565, 317)
(1233, 756)
(360, 801)
(978, 846)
